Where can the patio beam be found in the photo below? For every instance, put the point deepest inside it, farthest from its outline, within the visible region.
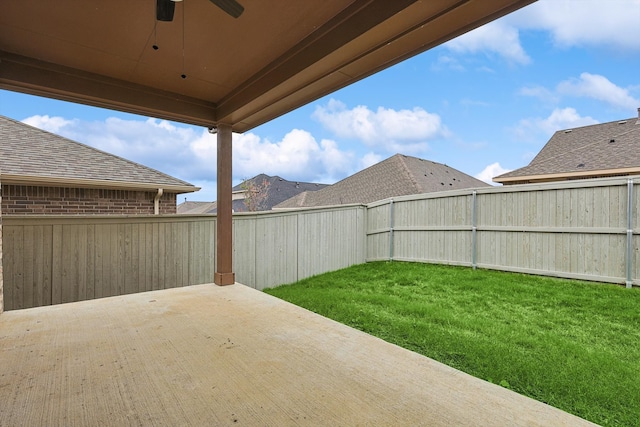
(224, 274)
(32, 76)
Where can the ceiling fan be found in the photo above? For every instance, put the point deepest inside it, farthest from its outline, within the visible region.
(165, 8)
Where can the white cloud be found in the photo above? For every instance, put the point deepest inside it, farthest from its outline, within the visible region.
(173, 149)
(598, 87)
(610, 23)
(588, 85)
(496, 37)
(189, 153)
(490, 172)
(448, 63)
(369, 159)
(405, 131)
(565, 118)
(466, 102)
(485, 69)
(297, 156)
(50, 124)
(560, 118)
(539, 92)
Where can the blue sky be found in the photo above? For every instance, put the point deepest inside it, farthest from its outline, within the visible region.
(484, 103)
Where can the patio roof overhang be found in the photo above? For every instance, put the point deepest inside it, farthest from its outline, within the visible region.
(277, 56)
(238, 73)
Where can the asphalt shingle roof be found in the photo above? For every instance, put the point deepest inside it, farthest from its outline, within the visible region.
(398, 175)
(196, 208)
(29, 151)
(278, 190)
(595, 148)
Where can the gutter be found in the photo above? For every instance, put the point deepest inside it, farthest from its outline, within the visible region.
(555, 176)
(47, 181)
(156, 202)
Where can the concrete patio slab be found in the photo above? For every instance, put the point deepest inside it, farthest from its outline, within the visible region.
(207, 355)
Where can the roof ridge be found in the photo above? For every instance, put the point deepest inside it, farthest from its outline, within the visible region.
(598, 124)
(394, 176)
(274, 179)
(408, 172)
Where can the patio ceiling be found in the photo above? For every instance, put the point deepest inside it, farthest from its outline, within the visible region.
(277, 56)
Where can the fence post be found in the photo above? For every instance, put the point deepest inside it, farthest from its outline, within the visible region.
(474, 227)
(629, 257)
(391, 224)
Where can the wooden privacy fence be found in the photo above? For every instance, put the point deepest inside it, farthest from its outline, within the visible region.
(579, 229)
(52, 260)
(274, 248)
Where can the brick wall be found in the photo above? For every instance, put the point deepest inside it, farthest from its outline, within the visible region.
(29, 200)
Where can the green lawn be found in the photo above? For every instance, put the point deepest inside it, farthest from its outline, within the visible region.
(571, 344)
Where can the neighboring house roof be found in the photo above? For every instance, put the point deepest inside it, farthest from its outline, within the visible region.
(398, 175)
(31, 156)
(277, 190)
(607, 149)
(206, 208)
(196, 208)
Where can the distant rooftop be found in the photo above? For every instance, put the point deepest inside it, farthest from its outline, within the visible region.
(32, 156)
(277, 190)
(398, 175)
(607, 149)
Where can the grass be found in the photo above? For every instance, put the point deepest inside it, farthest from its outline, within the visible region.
(571, 344)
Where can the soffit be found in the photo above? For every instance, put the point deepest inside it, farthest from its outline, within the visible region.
(279, 55)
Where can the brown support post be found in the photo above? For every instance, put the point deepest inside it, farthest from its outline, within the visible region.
(1, 276)
(224, 274)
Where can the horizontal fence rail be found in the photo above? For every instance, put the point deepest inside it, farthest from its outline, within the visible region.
(580, 229)
(274, 248)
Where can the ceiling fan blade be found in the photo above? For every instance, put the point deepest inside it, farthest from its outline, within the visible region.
(164, 10)
(232, 7)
